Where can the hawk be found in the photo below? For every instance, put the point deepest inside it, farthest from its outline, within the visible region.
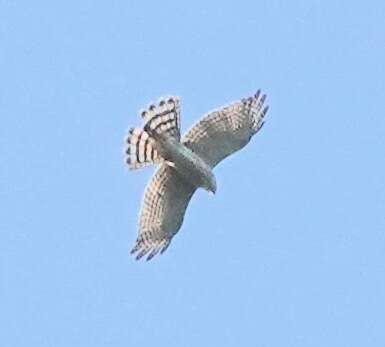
(185, 164)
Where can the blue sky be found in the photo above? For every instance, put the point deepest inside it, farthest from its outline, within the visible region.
(289, 252)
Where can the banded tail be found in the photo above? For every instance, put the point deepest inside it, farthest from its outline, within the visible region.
(140, 149)
(161, 119)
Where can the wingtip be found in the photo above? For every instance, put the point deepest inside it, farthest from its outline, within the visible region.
(141, 254)
(133, 250)
(151, 255)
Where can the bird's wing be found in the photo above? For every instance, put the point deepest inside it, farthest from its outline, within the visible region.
(226, 130)
(163, 208)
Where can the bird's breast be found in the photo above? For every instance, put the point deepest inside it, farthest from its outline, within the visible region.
(187, 163)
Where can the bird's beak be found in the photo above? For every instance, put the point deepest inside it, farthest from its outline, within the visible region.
(211, 190)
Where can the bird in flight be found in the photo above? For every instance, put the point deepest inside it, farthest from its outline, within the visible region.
(184, 163)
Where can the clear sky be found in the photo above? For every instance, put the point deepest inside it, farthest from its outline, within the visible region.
(290, 251)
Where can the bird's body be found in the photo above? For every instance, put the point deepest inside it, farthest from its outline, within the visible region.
(185, 163)
(190, 166)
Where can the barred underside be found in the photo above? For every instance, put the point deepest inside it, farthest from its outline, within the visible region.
(140, 149)
(163, 208)
(217, 135)
(226, 130)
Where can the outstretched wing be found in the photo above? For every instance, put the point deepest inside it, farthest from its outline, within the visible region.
(226, 130)
(163, 208)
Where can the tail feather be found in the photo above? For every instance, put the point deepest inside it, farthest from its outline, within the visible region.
(140, 150)
(163, 118)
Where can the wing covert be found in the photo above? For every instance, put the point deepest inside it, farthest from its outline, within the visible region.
(163, 208)
(226, 130)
